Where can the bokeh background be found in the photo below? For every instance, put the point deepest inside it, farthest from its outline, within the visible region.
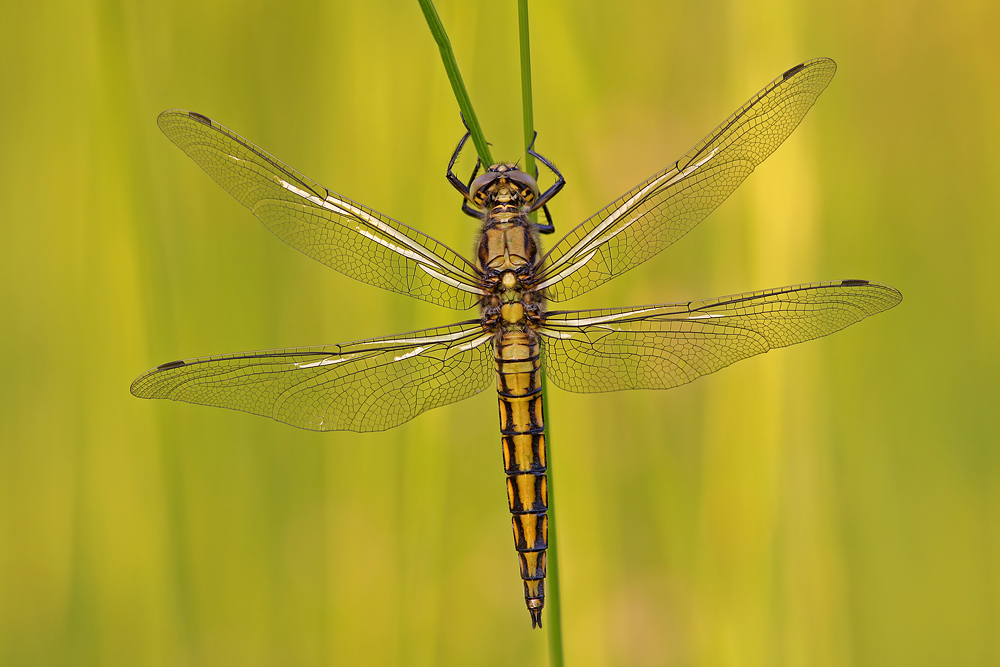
(836, 503)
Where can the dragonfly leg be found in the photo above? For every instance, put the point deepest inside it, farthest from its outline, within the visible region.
(466, 209)
(450, 175)
(457, 183)
(549, 228)
(543, 200)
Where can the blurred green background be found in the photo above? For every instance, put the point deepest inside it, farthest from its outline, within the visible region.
(836, 503)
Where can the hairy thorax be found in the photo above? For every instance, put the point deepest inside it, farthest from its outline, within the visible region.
(507, 256)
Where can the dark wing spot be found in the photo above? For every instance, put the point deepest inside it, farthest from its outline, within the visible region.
(853, 283)
(793, 71)
(205, 119)
(169, 365)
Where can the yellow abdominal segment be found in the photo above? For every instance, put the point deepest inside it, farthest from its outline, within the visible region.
(523, 439)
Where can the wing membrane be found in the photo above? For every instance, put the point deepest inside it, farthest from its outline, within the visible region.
(658, 347)
(369, 385)
(662, 209)
(344, 235)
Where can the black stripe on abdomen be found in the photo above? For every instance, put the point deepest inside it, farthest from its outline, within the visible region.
(522, 430)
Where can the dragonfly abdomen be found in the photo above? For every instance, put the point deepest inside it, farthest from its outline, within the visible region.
(522, 429)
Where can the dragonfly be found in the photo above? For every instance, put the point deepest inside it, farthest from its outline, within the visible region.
(380, 383)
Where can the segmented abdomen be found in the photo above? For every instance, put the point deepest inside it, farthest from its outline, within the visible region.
(522, 427)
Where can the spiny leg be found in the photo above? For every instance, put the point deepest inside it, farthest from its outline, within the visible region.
(468, 210)
(457, 183)
(549, 228)
(449, 174)
(543, 200)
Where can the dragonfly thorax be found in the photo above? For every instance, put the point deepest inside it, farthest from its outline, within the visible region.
(506, 244)
(504, 185)
(508, 253)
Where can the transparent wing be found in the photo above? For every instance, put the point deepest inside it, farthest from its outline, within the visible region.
(658, 347)
(668, 205)
(344, 235)
(369, 385)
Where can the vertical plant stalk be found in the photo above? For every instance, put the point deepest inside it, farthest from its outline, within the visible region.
(552, 597)
(527, 107)
(457, 84)
(553, 602)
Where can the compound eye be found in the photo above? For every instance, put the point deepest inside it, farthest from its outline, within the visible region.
(526, 182)
(481, 182)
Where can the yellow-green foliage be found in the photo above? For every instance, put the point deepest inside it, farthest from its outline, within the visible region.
(831, 504)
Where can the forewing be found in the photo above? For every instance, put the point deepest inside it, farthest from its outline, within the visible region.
(662, 209)
(658, 347)
(344, 235)
(369, 385)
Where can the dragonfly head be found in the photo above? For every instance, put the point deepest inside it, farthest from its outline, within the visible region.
(503, 184)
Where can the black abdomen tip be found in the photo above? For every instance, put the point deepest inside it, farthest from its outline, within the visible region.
(167, 366)
(853, 283)
(793, 71)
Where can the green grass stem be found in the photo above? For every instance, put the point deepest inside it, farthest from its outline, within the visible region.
(552, 597)
(455, 77)
(526, 103)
